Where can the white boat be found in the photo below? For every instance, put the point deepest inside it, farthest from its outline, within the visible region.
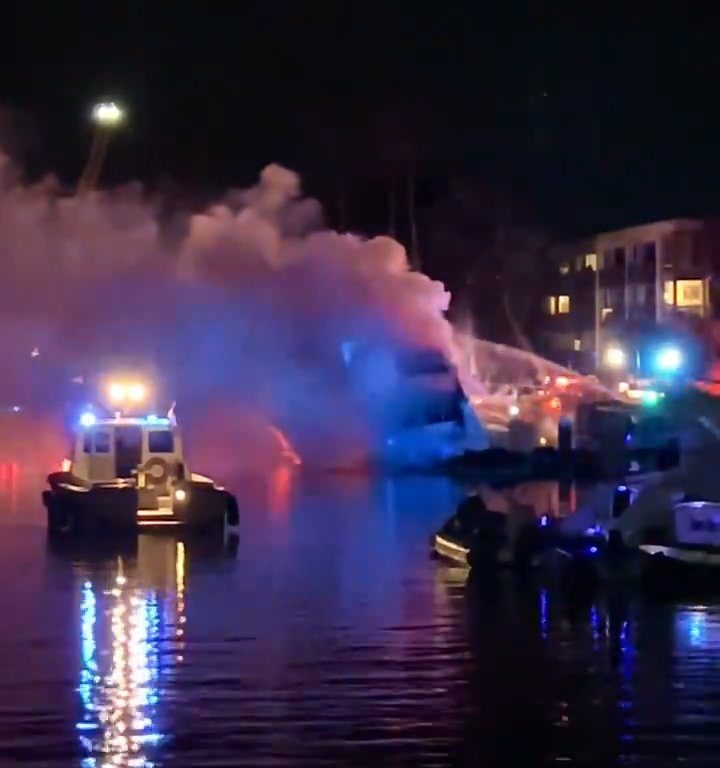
(127, 472)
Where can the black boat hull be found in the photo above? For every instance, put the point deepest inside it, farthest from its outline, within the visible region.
(98, 510)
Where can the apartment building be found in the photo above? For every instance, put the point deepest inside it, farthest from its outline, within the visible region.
(626, 282)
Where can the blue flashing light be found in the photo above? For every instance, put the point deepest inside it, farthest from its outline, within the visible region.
(593, 550)
(669, 359)
(622, 488)
(155, 419)
(544, 520)
(88, 419)
(594, 530)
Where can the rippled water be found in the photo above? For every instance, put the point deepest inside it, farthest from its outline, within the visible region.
(324, 635)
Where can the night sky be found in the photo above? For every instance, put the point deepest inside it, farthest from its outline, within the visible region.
(589, 120)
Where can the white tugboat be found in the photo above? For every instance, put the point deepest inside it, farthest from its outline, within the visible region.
(128, 471)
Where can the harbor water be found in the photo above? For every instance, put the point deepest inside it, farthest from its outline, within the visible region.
(324, 634)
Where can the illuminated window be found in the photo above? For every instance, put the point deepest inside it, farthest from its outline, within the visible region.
(564, 268)
(577, 345)
(551, 305)
(669, 292)
(689, 293)
(606, 312)
(591, 261)
(563, 305)
(579, 263)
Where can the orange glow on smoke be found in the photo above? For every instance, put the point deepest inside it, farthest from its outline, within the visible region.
(286, 449)
(9, 477)
(279, 490)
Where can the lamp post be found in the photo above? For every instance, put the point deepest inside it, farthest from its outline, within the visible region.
(106, 116)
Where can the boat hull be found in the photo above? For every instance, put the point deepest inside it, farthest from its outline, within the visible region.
(452, 549)
(669, 567)
(98, 510)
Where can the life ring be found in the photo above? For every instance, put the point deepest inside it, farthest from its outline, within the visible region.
(156, 471)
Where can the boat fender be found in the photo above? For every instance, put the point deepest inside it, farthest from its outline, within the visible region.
(156, 470)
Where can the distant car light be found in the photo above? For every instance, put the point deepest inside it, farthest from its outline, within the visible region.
(88, 419)
(180, 494)
(513, 410)
(623, 386)
(562, 382)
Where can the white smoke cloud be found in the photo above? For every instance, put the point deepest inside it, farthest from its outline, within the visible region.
(247, 314)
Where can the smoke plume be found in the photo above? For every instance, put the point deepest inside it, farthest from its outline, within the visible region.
(246, 313)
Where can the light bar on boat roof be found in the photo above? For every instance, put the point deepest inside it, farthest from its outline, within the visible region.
(89, 419)
(154, 419)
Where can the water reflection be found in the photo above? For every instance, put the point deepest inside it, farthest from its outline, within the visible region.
(132, 637)
(119, 685)
(337, 641)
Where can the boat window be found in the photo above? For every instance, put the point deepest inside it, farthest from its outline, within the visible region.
(161, 442)
(87, 442)
(102, 441)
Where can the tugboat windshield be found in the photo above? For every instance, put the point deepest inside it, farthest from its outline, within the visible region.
(161, 441)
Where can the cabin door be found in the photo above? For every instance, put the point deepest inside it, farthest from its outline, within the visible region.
(128, 450)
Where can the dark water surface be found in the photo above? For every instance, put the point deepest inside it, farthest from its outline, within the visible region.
(325, 635)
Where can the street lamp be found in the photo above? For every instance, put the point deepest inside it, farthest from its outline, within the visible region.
(106, 116)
